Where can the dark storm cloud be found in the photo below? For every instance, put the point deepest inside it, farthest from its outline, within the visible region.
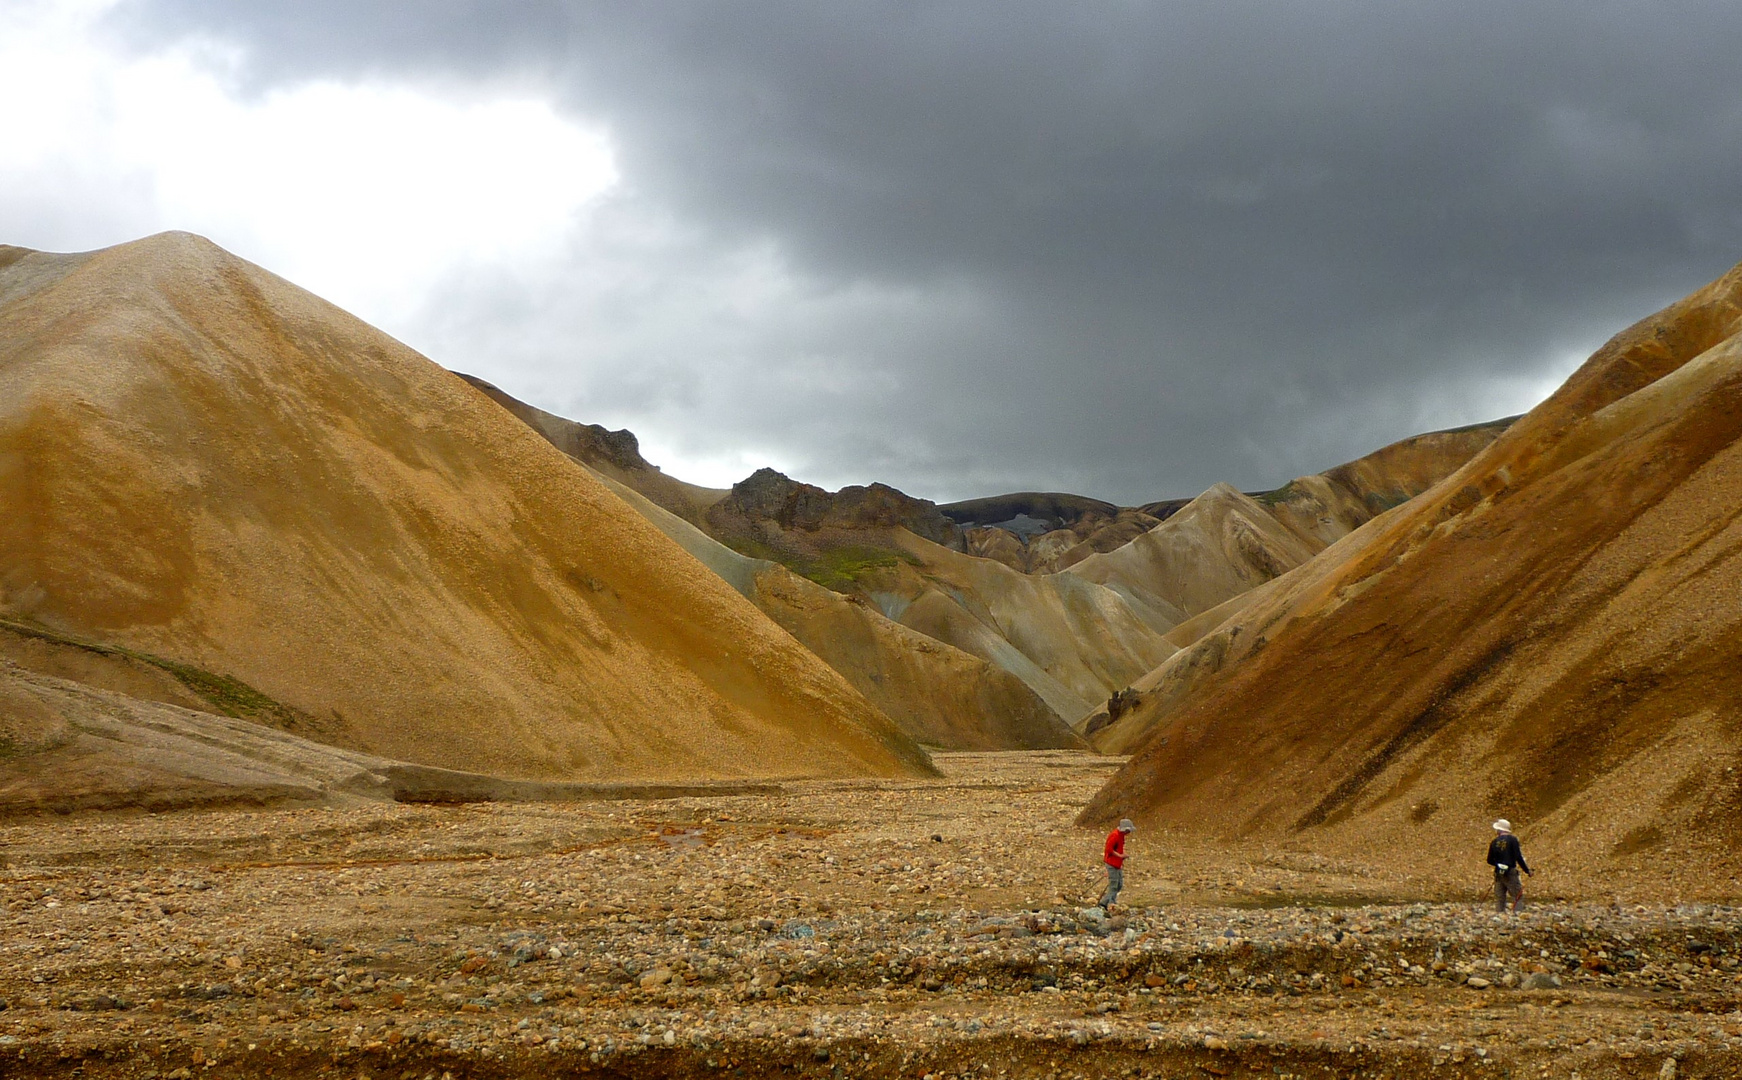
(1127, 249)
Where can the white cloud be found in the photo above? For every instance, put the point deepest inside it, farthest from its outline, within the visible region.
(367, 194)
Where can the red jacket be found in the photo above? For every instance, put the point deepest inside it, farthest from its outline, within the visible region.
(1114, 854)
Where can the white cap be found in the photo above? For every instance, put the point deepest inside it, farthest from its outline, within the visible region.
(1126, 826)
(1503, 825)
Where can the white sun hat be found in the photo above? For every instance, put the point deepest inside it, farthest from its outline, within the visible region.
(1503, 825)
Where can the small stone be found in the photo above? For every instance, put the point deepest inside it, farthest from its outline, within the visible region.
(656, 977)
(1478, 983)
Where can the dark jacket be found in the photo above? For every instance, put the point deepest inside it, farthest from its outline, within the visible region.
(1504, 851)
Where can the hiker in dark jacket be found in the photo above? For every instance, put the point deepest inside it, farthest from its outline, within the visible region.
(1507, 859)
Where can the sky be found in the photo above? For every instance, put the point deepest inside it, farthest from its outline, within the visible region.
(1121, 249)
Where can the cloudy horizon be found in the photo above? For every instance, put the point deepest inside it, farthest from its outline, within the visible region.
(1121, 249)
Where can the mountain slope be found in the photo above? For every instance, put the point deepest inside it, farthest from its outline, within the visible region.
(1549, 634)
(1220, 545)
(1223, 542)
(1325, 507)
(616, 454)
(936, 693)
(200, 461)
(1044, 532)
(1071, 640)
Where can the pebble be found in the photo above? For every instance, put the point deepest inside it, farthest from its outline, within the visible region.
(576, 929)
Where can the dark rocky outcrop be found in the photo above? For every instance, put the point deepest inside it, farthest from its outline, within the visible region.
(617, 454)
(769, 498)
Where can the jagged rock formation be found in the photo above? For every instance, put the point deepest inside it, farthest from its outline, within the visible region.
(772, 511)
(616, 454)
(1549, 634)
(938, 694)
(201, 462)
(935, 692)
(1040, 532)
(962, 653)
(1071, 645)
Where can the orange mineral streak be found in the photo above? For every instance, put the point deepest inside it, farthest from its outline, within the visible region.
(1550, 634)
(203, 462)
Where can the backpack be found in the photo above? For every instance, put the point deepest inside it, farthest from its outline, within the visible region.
(1499, 849)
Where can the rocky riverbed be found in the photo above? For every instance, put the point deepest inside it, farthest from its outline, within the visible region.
(905, 929)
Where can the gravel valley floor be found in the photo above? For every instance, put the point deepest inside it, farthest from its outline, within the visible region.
(817, 929)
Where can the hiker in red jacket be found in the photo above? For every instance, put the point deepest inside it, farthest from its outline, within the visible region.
(1113, 854)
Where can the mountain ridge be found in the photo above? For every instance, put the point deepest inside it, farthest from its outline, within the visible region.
(200, 461)
(1542, 636)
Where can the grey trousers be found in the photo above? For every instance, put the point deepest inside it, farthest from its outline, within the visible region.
(1508, 886)
(1115, 882)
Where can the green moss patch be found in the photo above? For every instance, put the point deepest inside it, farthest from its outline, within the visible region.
(1280, 495)
(839, 568)
(225, 694)
(842, 568)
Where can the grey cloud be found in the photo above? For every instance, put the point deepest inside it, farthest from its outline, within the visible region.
(1122, 248)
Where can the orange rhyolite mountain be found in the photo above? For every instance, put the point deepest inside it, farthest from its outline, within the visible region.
(1550, 634)
(202, 462)
(938, 694)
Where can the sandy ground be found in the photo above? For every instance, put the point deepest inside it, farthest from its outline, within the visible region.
(836, 929)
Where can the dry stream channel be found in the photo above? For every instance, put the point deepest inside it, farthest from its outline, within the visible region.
(818, 929)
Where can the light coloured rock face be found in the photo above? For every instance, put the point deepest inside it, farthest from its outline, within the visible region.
(1073, 645)
(1059, 548)
(71, 746)
(1222, 544)
(937, 693)
(1072, 641)
(1223, 551)
(1044, 532)
(200, 461)
(962, 653)
(1547, 635)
